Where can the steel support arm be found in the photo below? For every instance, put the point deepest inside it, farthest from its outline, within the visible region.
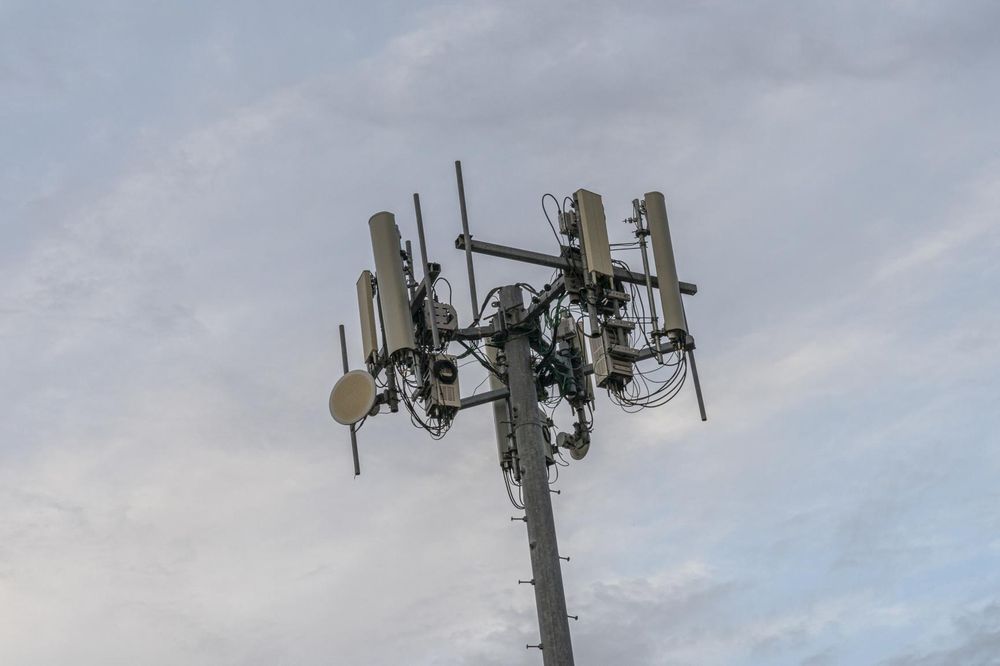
(554, 261)
(484, 398)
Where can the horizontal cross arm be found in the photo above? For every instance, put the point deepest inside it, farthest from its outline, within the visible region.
(484, 398)
(554, 261)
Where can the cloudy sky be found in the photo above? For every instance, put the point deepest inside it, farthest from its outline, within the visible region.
(184, 193)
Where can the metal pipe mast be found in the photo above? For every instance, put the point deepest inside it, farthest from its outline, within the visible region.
(550, 598)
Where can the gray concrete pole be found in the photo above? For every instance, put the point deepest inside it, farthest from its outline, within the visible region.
(550, 599)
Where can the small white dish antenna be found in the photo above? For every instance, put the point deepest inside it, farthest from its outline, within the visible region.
(580, 452)
(353, 397)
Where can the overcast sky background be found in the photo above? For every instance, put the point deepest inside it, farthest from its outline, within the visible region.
(184, 191)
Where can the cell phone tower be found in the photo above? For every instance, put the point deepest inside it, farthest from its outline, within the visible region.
(595, 323)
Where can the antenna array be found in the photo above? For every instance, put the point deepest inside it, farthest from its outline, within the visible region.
(595, 325)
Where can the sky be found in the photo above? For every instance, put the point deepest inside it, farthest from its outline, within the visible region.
(184, 192)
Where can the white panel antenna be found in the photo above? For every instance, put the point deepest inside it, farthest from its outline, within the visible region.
(581, 343)
(594, 233)
(366, 310)
(501, 419)
(393, 297)
(666, 266)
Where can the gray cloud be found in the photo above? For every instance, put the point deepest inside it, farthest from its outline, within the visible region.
(184, 203)
(977, 642)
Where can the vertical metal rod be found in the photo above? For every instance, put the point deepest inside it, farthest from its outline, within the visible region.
(428, 291)
(468, 243)
(550, 597)
(390, 372)
(697, 384)
(642, 233)
(354, 435)
(411, 287)
(410, 284)
(689, 350)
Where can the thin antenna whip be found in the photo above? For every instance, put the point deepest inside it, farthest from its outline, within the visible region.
(468, 242)
(354, 435)
(428, 293)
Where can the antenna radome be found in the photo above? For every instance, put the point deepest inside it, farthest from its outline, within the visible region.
(366, 311)
(391, 287)
(352, 397)
(666, 267)
(594, 230)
